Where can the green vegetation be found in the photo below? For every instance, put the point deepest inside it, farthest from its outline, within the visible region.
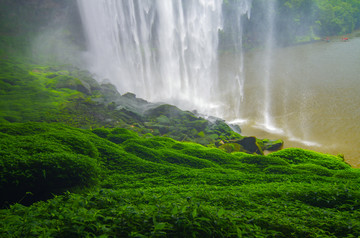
(66, 94)
(151, 186)
(77, 159)
(295, 21)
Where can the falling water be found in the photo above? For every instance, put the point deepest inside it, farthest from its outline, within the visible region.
(268, 123)
(158, 49)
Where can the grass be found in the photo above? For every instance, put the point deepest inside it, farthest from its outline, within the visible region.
(79, 183)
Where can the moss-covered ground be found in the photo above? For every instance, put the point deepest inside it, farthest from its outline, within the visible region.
(69, 182)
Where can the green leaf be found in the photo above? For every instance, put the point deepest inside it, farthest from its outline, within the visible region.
(221, 212)
(194, 213)
(160, 226)
(175, 211)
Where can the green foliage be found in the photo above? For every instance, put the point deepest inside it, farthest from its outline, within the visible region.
(101, 132)
(348, 174)
(295, 21)
(126, 182)
(300, 156)
(338, 17)
(281, 169)
(156, 186)
(315, 169)
(41, 165)
(263, 161)
(210, 154)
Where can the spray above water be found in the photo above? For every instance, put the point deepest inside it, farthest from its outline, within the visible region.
(157, 49)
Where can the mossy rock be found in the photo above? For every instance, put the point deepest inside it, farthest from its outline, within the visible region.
(109, 91)
(170, 111)
(86, 78)
(220, 127)
(64, 81)
(231, 147)
(272, 145)
(249, 145)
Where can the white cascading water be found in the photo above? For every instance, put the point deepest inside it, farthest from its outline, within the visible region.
(161, 50)
(268, 123)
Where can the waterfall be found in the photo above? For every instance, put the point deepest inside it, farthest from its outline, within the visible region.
(161, 50)
(270, 43)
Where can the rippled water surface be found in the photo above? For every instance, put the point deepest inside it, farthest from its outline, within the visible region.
(313, 97)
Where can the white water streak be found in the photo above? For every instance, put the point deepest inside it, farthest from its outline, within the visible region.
(270, 44)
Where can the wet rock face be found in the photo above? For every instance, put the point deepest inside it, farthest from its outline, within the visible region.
(250, 144)
(273, 145)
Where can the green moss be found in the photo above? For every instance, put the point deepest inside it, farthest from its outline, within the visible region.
(263, 161)
(144, 152)
(44, 159)
(119, 138)
(348, 174)
(176, 157)
(116, 159)
(144, 182)
(211, 154)
(284, 169)
(154, 142)
(163, 120)
(101, 132)
(315, 169)
(301, 156)
(231, 147)
(201, 134)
